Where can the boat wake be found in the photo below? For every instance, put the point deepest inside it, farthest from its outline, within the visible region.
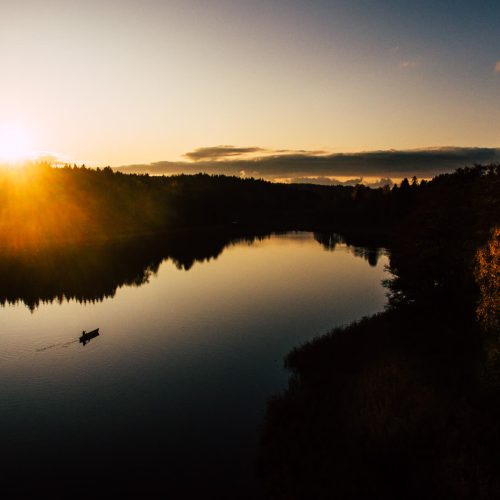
(59, 345)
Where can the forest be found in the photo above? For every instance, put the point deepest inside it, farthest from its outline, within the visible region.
(41, 205)
(406, 403)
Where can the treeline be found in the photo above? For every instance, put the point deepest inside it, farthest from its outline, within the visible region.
(43, 204)
(40, 203)
(405, 404)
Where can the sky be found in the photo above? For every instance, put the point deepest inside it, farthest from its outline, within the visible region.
(128, 82)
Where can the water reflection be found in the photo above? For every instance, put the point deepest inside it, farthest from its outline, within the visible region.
(168, 400)
(371, 253)
(94, 272)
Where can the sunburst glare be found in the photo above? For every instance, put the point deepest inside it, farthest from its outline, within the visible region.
(14, 144)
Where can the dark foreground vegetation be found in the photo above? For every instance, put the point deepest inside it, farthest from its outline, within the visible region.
(405, 404)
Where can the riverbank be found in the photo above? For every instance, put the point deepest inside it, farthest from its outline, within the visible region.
(404, 404)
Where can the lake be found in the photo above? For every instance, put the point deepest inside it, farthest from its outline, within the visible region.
(171, 395)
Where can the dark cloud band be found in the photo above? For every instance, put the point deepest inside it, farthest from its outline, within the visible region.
(391, 163)
(215, 153)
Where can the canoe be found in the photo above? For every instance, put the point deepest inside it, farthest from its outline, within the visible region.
(88, 336)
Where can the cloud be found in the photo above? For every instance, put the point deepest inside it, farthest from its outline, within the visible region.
(220, 152)
(497, 67)
(389, 163)
(408, 64)
(325, 181)
(385, 181)
(332, 181)
(300, 151)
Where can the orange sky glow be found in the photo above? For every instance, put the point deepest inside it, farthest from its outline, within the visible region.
(121, 83)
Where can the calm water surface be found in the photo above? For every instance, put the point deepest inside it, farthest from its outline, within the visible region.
(171, 395)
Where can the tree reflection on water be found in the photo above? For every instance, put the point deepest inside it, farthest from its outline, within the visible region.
(92, 272)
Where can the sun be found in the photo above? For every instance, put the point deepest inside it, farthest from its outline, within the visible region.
(14, 144)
